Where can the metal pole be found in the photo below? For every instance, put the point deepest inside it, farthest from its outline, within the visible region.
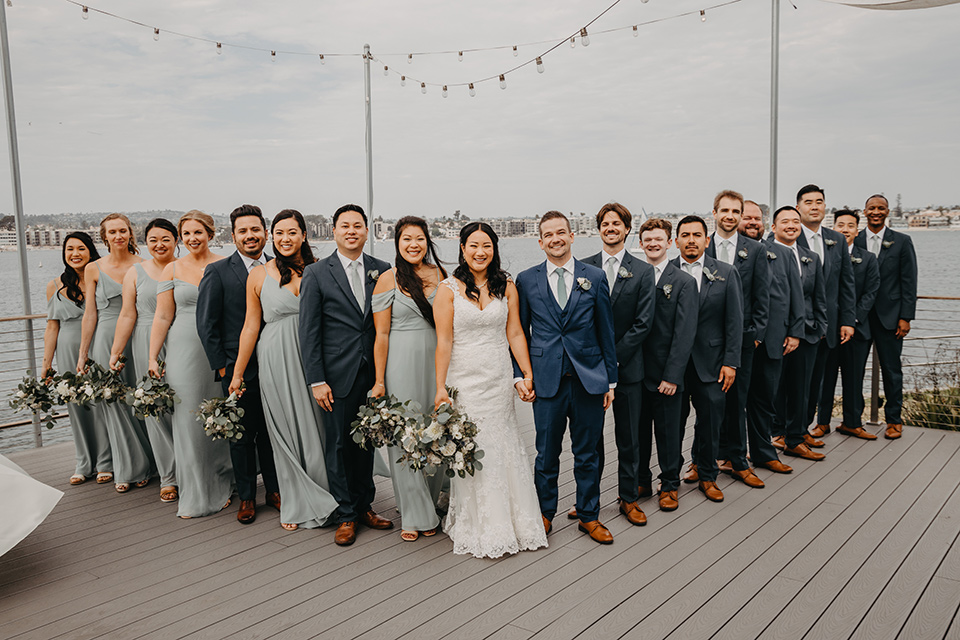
(774, 101)
(18, 200)
(369, 143)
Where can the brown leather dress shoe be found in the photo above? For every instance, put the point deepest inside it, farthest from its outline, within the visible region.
(374, 521)
(597, 531)
(645, 492)
(820, 430)
(725, 465)
(776, 466)
(669, 501)
(346, 534)
(273, 500)
(547, 525)
(691, 475)
(711, 490)
(856, 432)
(780, 442)
(810, 441)
(572, 514)
(247, 512)
(893, 431)
(748, 477)
(803, 451)
(633, 513)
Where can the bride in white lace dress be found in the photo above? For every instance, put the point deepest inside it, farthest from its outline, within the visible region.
(496, 511)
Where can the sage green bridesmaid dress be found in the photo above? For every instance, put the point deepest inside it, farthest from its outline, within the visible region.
(132, 455)
(90, 438)
(410, 375)
(204, 470)
(293, 418)
(159, 430)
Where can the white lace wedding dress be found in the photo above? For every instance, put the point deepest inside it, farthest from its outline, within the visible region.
(496, 511)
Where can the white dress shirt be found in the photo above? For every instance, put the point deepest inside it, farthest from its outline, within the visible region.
(718, 243)
(658, 271)
(567, 278)
(250, 263)
(815, 239)
(870, 240)
(695, 269)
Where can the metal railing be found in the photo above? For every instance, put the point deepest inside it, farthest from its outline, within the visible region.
(21, 347)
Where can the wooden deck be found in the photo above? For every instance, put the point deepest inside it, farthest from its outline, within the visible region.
(861, 545)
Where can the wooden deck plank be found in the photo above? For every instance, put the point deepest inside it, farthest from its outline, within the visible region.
(935, 611)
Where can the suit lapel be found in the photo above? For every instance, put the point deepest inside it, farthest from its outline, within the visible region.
(368, 283)
(239, 270)
(575, 291)
(618, 282)
(340, 277)
(886, 237)
(543, 286)
(705, 282)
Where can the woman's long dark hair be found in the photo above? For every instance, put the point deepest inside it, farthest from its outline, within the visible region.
(496, 277)
(407, 278)
(296, 263)
(70, 278)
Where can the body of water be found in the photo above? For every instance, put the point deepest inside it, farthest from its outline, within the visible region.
(935, 251)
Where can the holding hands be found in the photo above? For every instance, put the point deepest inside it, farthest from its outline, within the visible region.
(525, 390)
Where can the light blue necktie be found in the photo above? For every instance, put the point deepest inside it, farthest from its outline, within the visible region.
(561, 287)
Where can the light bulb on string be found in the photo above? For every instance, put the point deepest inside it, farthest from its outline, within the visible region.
(219, 49)
(386, 70)
(636, 32)
(539, 64)
(573, 42)
(403, 81)
(703, 15)
(584, 38)
(322, 60)
(515, 52)
(273, 56)
(471, 90)
(503, 82)
(156, 34)
(409, 58)
(9, 3)
(423, 88)
(460, 56)
(444, 92)
(644, 1)
(85, 13)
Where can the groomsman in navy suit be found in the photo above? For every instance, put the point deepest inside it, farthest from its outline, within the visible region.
(831, 248)
(785, 329)
(666, 352)
(336, 344)
(790, 425)
(751, 222)
(896, 303)
(565, 312)
(716, 349)
(851, 358)
(750, 259)
(221, 309)
(631, 295)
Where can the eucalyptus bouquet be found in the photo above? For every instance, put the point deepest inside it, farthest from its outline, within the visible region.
(447, 439)
(221, 417)
(383, 421)
(37, 396)
(151, 397)
(78, 387)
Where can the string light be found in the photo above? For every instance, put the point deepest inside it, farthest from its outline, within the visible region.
(584, 38)
(423, 88)
(539, 64)
(515, 52)
(85, 13)
(703, 15)
(444, 92)
(636, 32)
(409, 58)
(460, 56)
(322, 60)
(156, 34)
(503, 82)
(573, 42)
(471, 90)
(273, 56)
(403, 81)
(219, 49)
(386, 70)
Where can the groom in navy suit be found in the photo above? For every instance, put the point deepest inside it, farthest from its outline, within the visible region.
(567, 318)
(336, 343)
(221, 309)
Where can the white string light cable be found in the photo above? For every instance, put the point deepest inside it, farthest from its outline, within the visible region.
(581, 33)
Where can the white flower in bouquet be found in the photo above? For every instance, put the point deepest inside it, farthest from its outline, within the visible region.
(138, 393)
(63, 389)
(107, 393)
(434, 431)
(458, 457)
(434, 459)
(409, 442)
(88, 390)
(449, 448)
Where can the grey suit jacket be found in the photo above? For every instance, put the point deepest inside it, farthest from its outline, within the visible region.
(786, 300)
(897, 297)
(666, 351)
(839, 290)
(866, 277)
(751, 263)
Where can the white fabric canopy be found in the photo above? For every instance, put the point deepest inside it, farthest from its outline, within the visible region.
(898, 5)
(24, 503)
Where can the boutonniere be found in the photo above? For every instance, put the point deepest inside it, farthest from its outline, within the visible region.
(887, 244)
(667, 289)
(373, 274)
(771, 255)
(623, 273)
(743, 254)
(805, 260)
(583, 284)
(856, 260)
(829, 242)
(713, 275)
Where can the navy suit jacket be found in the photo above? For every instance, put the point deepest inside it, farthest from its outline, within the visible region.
(786, 300)
(866, 276)
(584, 330)
(719, 320)
(221, 310)
(815, 316)
(336, 335)
(750, 260)
(840, 292)
(666, 351)
(633, 307)
(897, 297)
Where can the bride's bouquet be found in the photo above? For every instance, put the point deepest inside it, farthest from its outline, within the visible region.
(447, 438)
(221, 417)
(151, 397)
(37, 396)
(384, 421)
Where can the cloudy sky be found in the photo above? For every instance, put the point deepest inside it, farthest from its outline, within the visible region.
(109, 119)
